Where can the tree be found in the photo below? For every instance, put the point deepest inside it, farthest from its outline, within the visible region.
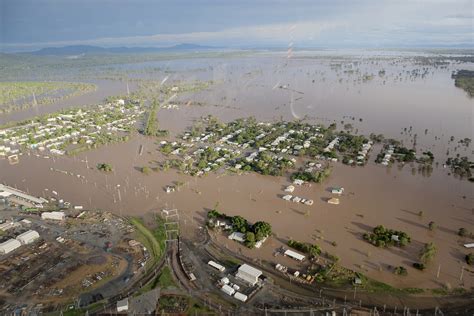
(428, 252)
(250, 239)
(432, 225)
(419, 266)
(213, 214)
(470, 258)
(401, 270)
(104, 167)
(463, 232)
(239, 224)
(146, 170)
(262, 229)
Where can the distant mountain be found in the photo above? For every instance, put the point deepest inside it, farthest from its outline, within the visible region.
(88, 49)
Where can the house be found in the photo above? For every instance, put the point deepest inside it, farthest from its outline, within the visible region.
(298, 182)
(248, 274)
(237, 236)
(337, 190)
(289, 189)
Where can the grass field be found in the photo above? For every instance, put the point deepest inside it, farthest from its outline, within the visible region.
(153, 240)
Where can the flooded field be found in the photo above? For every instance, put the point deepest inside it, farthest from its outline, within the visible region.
(384, 95)
(105, 88)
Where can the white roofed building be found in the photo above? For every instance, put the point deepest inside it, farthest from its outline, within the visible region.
(294, 255)
(249, 274)
(57, 216)
(122, 305)
(28, 237)
(9, 245)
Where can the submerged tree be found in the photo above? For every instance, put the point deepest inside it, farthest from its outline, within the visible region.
(428, 252)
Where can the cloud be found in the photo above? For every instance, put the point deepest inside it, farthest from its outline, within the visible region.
(269, 33)
(322, 23)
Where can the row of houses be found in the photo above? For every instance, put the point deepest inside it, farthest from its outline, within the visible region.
(61, 129)
(297, 199)
(388, 155)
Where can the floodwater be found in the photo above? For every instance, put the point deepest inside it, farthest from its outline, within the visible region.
(105, 88)
(373, 194)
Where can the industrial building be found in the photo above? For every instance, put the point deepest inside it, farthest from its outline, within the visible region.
(227, 290)
(241, 297)
(9, 245)
(17, 197)
(248, 274)
(28, 237)
(122, 306)
(57, 216)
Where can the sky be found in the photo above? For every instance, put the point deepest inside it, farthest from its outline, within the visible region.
(32, 24)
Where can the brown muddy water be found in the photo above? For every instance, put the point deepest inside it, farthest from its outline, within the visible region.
(105, 88)
(373, 194)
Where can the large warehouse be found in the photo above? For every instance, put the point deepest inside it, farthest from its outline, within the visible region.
(57, 216)
(248, 274)
(28, 237)
(9, 246)
(21, 198)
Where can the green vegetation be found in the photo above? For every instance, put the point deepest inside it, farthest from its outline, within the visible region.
(154, 240)
(464, 79)
(20, 95)
(373, 286)
(463, 232)
(266, 164)
(470, 258)
(461, 166)
(317, 176)
(239, 224)
(105, 167)
(432, 225)
(403, 154)
(419, 266)
(75, 129)
(311, 249)
(164, 279)
(146, 170)
(151, 123)
(253, 233)
(382, 237)
(400, 271)
(428, 252)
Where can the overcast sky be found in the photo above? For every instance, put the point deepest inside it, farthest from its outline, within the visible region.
(31, 24)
